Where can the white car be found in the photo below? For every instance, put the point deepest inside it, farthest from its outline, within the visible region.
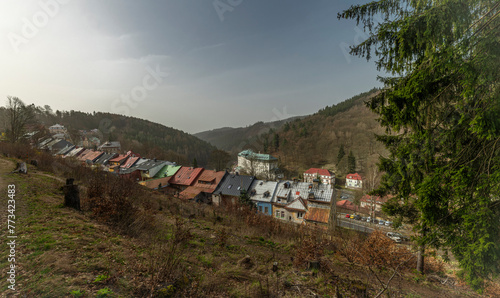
(394, 237)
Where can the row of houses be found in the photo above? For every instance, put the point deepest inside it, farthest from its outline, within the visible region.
(300, 202)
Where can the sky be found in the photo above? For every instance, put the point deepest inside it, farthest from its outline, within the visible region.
(189, 64)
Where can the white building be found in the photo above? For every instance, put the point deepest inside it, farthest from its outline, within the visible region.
(57, 128)
(353, 181)
(256, 164)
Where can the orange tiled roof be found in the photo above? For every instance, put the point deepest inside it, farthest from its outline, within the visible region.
(317, 215)
(119, 158)
(208, 180)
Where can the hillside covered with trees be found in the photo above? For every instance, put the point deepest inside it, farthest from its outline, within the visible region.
(147, 138)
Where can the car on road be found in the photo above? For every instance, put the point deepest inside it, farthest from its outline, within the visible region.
(357, 217)
(352, 216)
(401, 236)
(381, 222)
(388, 223)
(394, 237)
(347, 216)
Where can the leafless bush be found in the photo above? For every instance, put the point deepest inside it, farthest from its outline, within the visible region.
(165, 255)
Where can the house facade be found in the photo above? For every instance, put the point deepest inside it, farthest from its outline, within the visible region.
(57, 128)
(353, 181)
(230, 189)
(262, 193)
(110, 147)
(256, 164)
(324, 175)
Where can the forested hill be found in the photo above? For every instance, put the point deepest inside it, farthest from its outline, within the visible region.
(147, 138)
(315, 140)
(234, 139)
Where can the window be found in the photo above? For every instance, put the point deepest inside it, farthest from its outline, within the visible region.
(300, 214)
(260, 208)
(282, 214)
(266, 210)
(277, 214)
(229, 186)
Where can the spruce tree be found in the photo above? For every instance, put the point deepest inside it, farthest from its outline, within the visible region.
(441, 111)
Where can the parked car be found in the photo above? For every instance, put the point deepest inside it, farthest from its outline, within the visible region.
(369, 219)
(401, 236)
(381, 222)
(388, 223)
(357, 217)
(347, 216)
(394, 237)
(375, 221)
(352, 216)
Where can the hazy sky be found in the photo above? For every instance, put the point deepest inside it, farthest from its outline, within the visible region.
(191, 65)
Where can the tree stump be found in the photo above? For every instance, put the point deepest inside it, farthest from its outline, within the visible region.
(71, 194)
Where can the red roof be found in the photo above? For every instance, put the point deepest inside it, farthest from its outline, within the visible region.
(82, 154)
(208, 180)
(346, 204)
(354, 176)
(185, 176)
(322, 172)
(377, 199)
(119, 158)
(130, 162)
(93, 155)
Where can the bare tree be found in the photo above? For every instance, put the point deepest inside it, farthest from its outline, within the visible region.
(19, 116)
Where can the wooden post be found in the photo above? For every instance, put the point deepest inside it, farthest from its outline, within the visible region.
(71, 194)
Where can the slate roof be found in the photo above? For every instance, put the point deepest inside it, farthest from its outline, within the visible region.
(74, 152)
(45, 142)
(297, 205)
(167, 171)
(249, 154)
(65, 150)
(61, 144)
(103, 159)
(320, 215)
(309, 191)
(107, 145)
(283, 190)
(232, 185)
(316, 171)
(262, 191)
(185, 176)
(152, 163)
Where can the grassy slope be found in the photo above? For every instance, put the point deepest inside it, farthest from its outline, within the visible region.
(62, 250)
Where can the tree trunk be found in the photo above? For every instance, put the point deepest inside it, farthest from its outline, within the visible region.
(420, 259)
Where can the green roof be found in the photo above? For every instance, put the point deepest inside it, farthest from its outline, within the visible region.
(249, 154)
(167, 171)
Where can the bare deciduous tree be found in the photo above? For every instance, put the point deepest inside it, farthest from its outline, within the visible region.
(19, 116)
